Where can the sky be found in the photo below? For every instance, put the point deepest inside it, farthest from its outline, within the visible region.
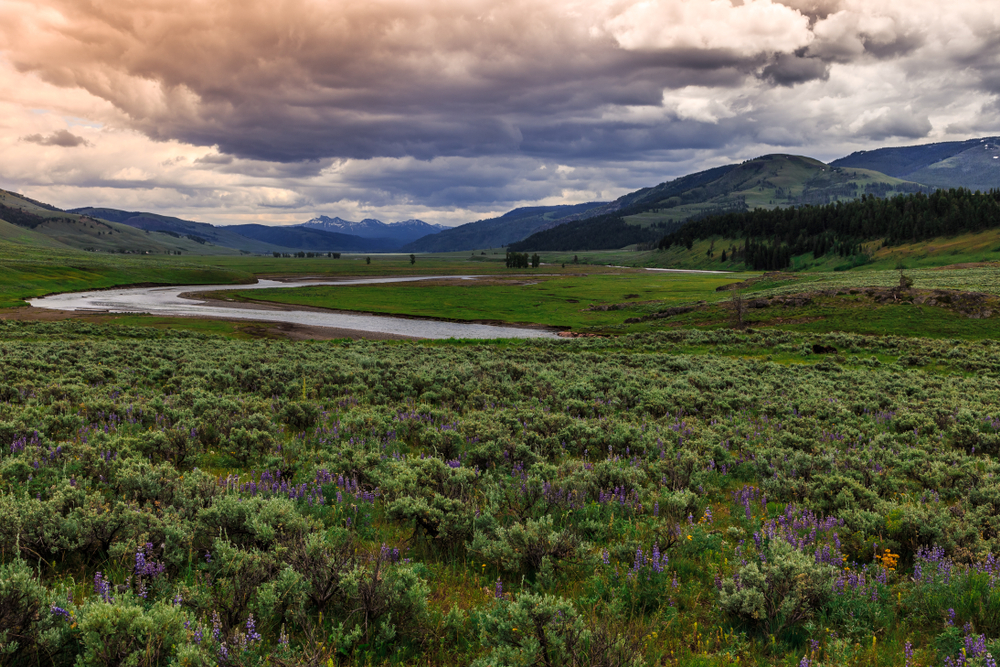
(274, 111)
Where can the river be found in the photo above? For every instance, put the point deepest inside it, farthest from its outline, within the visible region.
(168, 302)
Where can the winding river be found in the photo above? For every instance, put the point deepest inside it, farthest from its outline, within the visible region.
(167, 301)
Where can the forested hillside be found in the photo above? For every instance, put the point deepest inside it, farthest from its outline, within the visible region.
(773, 237)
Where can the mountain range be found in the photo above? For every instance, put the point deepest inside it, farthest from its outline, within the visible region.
(369, 228)
(637, 218)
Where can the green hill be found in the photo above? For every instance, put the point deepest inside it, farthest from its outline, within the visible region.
(768, 182)
(154, 222)
(33, 223)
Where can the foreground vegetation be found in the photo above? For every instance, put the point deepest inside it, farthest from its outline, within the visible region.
(690, 498)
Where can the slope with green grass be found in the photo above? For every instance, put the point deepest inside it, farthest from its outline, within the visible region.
(154, 222)
(84, 232)
(768, 182)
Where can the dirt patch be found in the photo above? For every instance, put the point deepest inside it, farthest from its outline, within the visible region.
(773, 276)
(966, 265)
(573, 334)
(974, 305)
(31, 314)
(605, 307)
(666, 312)
(288, 331)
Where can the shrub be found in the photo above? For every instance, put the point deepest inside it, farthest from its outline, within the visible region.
(124, 633)
(24, 617)
(778, 590)
(527, 547)
(532, 630)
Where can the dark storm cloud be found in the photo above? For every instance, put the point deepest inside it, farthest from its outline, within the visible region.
(305, 80)
(63, 138)
(483, 103)
(789, 69)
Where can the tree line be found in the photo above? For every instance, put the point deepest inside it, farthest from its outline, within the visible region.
(773, 237)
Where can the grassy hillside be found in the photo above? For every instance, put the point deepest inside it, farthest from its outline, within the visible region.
(87, 233)
(768, 182)
(153, 222)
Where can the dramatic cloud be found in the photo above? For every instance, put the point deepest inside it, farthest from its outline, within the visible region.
(63, 138)
(452, 108)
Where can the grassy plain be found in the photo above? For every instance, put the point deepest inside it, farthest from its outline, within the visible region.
(604, 303)
(594, 294)
(31, 272)
(562, 300)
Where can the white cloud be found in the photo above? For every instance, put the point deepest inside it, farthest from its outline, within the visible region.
(756, 26)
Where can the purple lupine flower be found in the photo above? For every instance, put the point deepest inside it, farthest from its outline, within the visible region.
(252, 633)
(59, 611)
(908, 652)
(102, 587)
(975, 645)
(208, 557)
(498, 589)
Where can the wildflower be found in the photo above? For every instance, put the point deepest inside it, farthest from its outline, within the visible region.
(252, 634)
(59, 611)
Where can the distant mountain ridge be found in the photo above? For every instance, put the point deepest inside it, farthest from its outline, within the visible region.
(499, 232)
(370, 228)
(307, 238)
(972, 164)
(249, 237)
